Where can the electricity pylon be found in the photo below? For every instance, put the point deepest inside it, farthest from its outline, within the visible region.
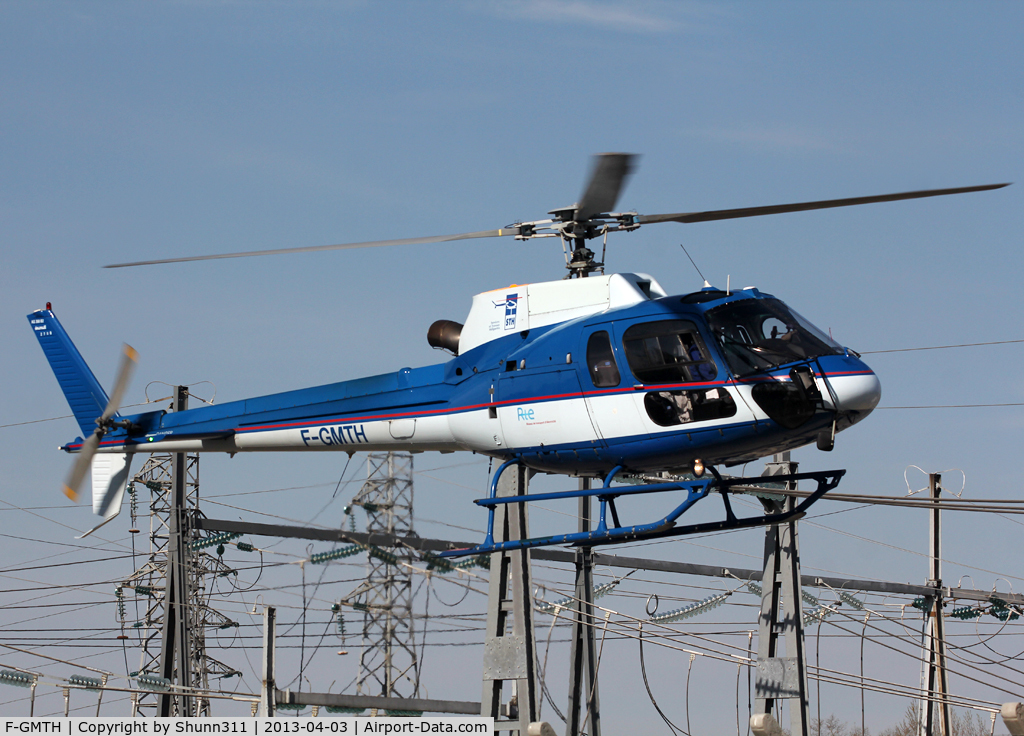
(388, 665)
(174, 545)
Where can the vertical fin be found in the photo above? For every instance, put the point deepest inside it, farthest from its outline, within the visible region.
(109, 480)
(83, 392)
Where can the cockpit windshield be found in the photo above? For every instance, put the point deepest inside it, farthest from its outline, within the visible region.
(760, 334)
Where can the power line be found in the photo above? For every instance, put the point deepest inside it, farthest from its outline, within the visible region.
(62, 564)
(941, 347)
(954, 406)
(832, 676)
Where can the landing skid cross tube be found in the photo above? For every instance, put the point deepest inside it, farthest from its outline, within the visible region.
(663, 527)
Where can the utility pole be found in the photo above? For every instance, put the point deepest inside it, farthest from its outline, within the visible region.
(268, 689)
(584, 704)
(510, 651)
(781, 677)
(175, 660)
(935, 682)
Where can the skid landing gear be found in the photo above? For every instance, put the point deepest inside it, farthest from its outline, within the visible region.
(616, 532)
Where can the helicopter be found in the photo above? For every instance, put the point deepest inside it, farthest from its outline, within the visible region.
(586, 376)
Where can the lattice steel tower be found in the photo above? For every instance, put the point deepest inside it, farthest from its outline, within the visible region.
(145, 614)
(388, 665)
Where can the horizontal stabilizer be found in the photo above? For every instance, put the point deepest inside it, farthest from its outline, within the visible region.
(83, 392)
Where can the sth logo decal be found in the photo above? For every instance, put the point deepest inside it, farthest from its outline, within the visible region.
(511, 305)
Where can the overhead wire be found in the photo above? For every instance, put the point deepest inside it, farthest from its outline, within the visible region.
(543, 674)
(647, 685)
(941, 347)
(919, 656)
(838, 678)
(466, 593)
(953, 406)
(856, 499)
(835, 674)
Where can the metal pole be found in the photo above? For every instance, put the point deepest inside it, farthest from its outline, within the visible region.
(779, 677)
(936, 681)
(99, 699)
(799, 711)
(269, 686)
(175, 664)
(583, 694)
(567, 557)
(510, 654)
(935, 487)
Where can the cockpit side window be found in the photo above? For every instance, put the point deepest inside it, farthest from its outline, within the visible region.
(669, 351)
(601, 361)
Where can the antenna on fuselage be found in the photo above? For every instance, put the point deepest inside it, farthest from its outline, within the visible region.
(706, 284)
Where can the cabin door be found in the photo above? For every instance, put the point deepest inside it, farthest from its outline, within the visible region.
(608, 387)
(543, 407)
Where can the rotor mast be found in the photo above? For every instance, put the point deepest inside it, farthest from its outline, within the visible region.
(592, 216)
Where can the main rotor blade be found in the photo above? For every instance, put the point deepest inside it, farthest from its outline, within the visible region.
(341, 246)
(129, 359)
(776, 209)
(607, 177)
(82, 464)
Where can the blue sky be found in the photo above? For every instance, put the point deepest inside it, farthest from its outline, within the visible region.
(134, 131)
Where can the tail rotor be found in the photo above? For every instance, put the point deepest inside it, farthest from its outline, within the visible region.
(104, 423)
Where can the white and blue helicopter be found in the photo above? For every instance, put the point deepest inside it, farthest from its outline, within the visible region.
(593, 375)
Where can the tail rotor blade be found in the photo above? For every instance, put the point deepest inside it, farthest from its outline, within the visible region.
(82, 464)
(129, 359)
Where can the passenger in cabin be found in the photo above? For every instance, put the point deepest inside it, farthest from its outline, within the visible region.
(680, 401)
(701, 370)
(791, 337)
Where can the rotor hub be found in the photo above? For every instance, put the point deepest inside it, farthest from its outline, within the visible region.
(582, 263)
